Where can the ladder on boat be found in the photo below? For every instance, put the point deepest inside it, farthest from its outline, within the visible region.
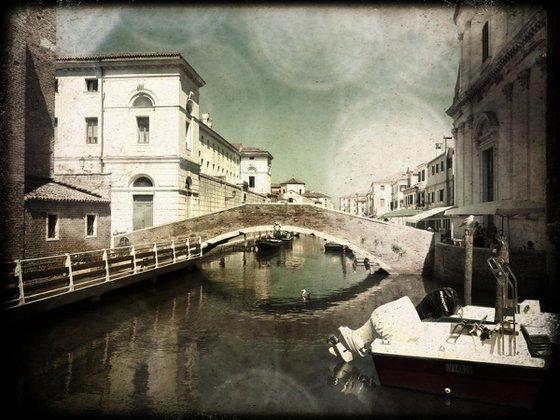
(510, 306)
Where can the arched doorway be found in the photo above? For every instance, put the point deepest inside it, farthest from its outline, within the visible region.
(142, 204)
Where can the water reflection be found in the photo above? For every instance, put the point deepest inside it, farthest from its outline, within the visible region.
(232, 338)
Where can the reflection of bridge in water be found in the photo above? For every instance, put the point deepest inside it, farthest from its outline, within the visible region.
(36, 285)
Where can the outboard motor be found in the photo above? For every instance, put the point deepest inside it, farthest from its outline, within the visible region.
(437, 303)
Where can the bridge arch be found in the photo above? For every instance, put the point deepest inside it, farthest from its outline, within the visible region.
(401, 249)
(241, 233)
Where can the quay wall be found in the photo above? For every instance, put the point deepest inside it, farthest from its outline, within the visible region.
(529, 267)
(404, 249)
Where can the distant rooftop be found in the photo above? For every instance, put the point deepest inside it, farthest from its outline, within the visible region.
(292, 181)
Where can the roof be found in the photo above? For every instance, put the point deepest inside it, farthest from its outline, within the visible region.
(250, 150)
(312, 194)
(129, 56)
(51, 190)
(292, 181)
(428, 213)
(499, 208)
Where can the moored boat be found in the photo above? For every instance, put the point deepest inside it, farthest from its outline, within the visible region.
(462, 352)
(265, 244)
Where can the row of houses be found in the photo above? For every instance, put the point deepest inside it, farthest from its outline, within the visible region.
(495, 166)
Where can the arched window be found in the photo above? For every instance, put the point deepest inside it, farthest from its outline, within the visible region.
(143, 181)
(142, 101)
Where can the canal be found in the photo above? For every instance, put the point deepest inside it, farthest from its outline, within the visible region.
(232, 338)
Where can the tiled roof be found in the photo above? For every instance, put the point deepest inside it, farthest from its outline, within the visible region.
(50, 190)
(116, 55)
(292, 181)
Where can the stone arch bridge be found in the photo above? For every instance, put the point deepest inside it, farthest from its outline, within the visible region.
(397, 249)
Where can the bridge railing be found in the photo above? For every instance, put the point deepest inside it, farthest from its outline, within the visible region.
(28, 280)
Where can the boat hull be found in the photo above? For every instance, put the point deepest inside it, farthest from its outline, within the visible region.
(489, 382)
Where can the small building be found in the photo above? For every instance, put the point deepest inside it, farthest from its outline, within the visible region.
(379, 198)
(255, 169)
(319, 199)
(64, 215)
(292, 184)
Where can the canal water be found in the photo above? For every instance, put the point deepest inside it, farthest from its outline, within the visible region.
(232, 338)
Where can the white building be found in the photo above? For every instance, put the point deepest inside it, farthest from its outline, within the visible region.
(379, 198)
(499, 115)
(256, 168)
(398, 185)
(136, 116)
(439, 185)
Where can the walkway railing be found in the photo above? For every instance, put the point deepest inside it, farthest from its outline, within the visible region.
(30, 280)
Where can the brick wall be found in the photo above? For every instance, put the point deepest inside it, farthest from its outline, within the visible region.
(404, 249)
(26, 109)
(72, 227)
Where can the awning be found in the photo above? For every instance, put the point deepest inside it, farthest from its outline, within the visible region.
(401, 213)
(499, 208)
(427, 213)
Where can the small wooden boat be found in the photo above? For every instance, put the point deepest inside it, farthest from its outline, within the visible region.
(336, 247)
(265, 244)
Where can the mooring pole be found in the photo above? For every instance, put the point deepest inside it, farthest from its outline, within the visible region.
(501, 288)
(468, 266)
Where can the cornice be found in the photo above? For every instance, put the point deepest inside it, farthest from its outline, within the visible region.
(492, 73)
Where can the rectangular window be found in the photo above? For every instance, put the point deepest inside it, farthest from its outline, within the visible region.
(91, 225)
(423, 174)
(92, 85)
(440, 195)
(441, 166)
(251, 182)
(91, 124)
(485, 43)
(433, 169)
(143, 124)
(52, 226)
(56, 85)
(488, 174)
(187, 135)
(449, 163)
(382, 202)
(382, 188)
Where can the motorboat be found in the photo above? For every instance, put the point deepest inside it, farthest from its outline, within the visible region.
(466, 352)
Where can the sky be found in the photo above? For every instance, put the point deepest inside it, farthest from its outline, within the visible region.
(339, 95)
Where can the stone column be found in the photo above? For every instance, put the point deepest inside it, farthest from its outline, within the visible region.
(506, 147)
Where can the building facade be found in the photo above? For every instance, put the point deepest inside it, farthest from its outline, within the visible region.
(256, 169)
(499, 117)
(136, 116)
(439, 185)
(379, 198)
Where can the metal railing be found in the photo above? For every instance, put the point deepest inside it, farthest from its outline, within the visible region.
(29, 280)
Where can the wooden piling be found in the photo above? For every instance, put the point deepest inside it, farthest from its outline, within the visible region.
(501, 289)
(468, 267)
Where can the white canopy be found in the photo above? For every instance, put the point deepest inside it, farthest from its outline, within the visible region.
(427, 213)
(499, 208)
